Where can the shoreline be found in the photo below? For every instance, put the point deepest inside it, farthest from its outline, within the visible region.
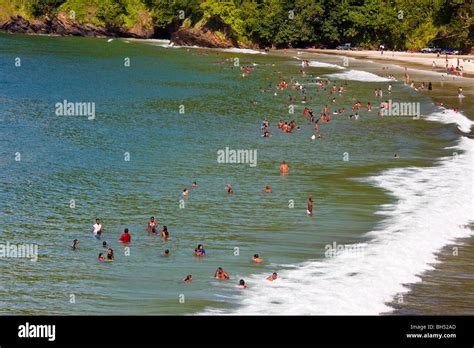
(422, 60)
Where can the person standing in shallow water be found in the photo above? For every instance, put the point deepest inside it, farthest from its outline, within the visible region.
(310, 206)
(164, 233)
(125, 237)
(152, 225)
(97, 228)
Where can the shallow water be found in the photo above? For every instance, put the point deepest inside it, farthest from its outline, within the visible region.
(66, 158)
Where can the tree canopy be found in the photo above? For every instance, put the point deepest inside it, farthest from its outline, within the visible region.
(398, 24)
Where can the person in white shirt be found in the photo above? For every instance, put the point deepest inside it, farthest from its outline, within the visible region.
(97, 228)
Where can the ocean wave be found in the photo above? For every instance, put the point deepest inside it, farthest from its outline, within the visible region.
(316, 64)
(450, 116)
(357, 75)
(242, 50)
(433, 208)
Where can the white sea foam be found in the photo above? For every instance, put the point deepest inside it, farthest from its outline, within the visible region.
(432, 209)
(316, 64)
(450, 116)
(242, 50)
(357, 75)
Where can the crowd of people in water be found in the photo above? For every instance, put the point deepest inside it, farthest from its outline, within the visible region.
(336, 93)
(322, 85)
(152, 228)
(199, 251)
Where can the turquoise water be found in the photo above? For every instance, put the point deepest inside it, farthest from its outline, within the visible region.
(66, 158)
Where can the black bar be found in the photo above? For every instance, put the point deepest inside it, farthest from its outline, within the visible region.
(241, 330)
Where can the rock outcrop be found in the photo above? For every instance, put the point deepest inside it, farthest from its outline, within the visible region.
(64, 26)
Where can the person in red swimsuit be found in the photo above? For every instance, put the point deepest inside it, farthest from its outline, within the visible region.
(125, 237)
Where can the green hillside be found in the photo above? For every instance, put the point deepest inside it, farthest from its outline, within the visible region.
(398, 24)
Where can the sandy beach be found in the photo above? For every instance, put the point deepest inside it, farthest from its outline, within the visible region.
(423, 59)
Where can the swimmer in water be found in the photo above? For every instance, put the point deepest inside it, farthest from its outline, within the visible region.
(268, 189)
(188, 279)
(151, 225)
(200, 251)
(257, 259)
(229, 189)
(242, 284)
(110, 254)
(272, 277)
(97, 228)
(105, 245)
(166, 253)
(102, 258)
(284, 168)
(221, 274)
(125, 237)
(396, 155)
(194, 184)
(310, 206)
(185, 192)
(164, 232)
(75, 244)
